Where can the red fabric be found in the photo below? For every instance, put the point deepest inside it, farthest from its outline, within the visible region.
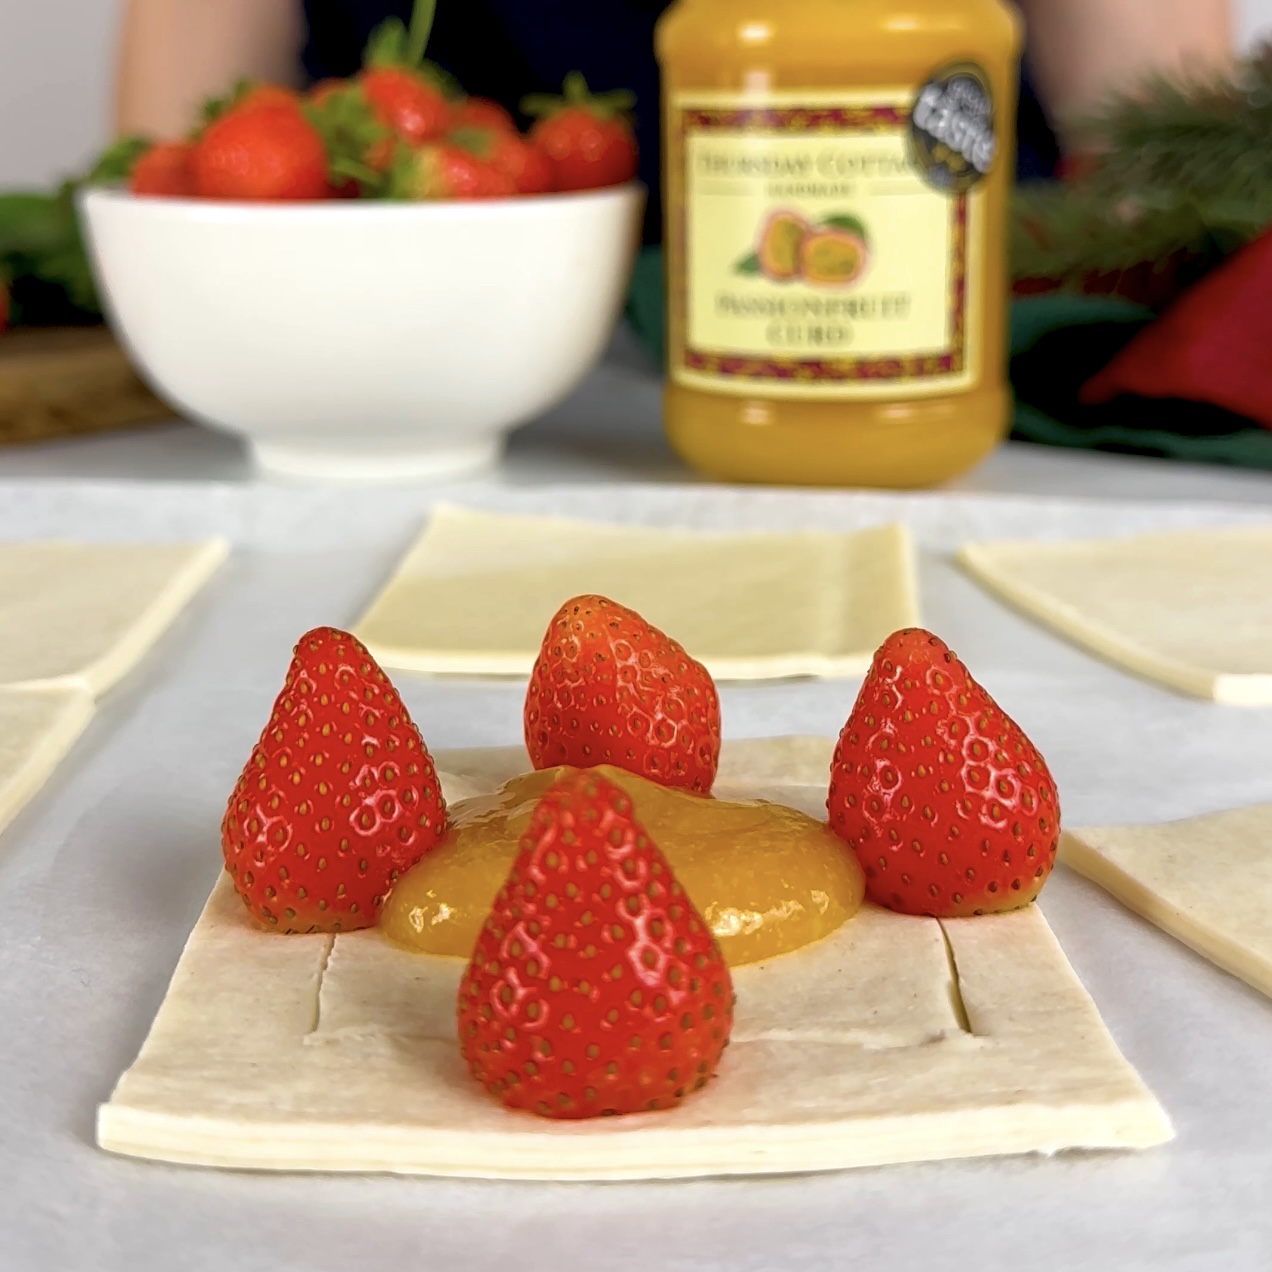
(1214, 344)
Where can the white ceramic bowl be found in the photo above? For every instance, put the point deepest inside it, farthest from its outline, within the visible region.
(365, 340)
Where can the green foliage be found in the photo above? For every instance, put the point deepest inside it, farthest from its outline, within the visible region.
(1185, 174)
(42, 254)
(387, 44)
(394, 44)
(215, 107)
(404, 177)
(117, 160)
(617, 104)
(349, 129)
(41, 248)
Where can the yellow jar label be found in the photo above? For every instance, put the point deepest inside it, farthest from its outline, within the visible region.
(828, 251)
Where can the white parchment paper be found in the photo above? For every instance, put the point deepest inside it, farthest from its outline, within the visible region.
(103, 874)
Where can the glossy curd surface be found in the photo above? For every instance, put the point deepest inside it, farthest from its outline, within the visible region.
(767, 879)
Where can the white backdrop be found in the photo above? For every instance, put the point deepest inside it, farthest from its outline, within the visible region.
(55, 70)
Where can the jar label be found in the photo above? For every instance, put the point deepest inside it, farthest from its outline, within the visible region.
(832, 243)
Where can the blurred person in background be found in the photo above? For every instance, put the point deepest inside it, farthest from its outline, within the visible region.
(176, 53)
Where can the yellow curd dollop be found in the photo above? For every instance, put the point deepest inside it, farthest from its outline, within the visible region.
(768, 879)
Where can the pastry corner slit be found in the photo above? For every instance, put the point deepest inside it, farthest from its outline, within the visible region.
(320, 977)
(957, 1005)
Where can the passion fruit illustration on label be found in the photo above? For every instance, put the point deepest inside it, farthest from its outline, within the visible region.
(831, 252)
(780, 243)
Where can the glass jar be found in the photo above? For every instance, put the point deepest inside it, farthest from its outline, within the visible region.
(836, 181)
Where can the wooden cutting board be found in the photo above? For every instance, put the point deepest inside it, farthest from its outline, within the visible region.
(61, 381)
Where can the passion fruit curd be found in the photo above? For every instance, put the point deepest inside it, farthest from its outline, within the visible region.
(768, 879)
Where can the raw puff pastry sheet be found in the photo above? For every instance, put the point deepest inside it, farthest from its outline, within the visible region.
(1205, 880)
(75, 618)
(475, 593)
(895, 1039)
(1191, 609)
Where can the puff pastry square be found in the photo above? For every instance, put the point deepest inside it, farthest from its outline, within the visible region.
(894, 1039)
(475, 594)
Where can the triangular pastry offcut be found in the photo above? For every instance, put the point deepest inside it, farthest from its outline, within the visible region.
(76, 618)
(1191, 609)
(1182, 876)
(83, 614)
(37, 728)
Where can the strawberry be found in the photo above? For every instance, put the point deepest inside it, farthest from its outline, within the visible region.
(323, 89)
(164, 170)
(264, 152)
(588, 140)
(609, 688)
(338, 798)
(526, 167)
(268, 95)
(595, 986)
(360, 149)
(946, 803)
(407, 102)
(481, 112)
(445, 171)
(248, 93)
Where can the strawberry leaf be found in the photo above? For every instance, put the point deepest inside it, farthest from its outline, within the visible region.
(117, 160)
(371, 184)
(405, 177)
(350, 130)
(477, 141)
(422, 15)
(387, 44)
(215, 107)
(393, 43)
(577, 96)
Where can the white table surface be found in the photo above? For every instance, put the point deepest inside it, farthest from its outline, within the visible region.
(104, 872)
(609, 431)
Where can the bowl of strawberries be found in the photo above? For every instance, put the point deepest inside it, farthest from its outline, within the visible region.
(378, 278)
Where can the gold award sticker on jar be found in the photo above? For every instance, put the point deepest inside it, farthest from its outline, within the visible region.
(830, 238)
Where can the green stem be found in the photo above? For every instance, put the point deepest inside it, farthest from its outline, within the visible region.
(356, 171)
(421, 28)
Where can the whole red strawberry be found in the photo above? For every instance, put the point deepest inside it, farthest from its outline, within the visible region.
(587, 139)
(948, 806)
(338, 798)
(526, 167)
(164, 170)
(407, 101)
(481, 112)
(441, 170)
(247, 94)
(268, 151)
(265, 95)
(609, 688)
(595, 986)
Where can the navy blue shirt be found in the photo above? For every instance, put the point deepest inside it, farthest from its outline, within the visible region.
(507, 48)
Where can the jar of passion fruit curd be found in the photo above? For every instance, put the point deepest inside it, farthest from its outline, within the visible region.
(836, 178)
